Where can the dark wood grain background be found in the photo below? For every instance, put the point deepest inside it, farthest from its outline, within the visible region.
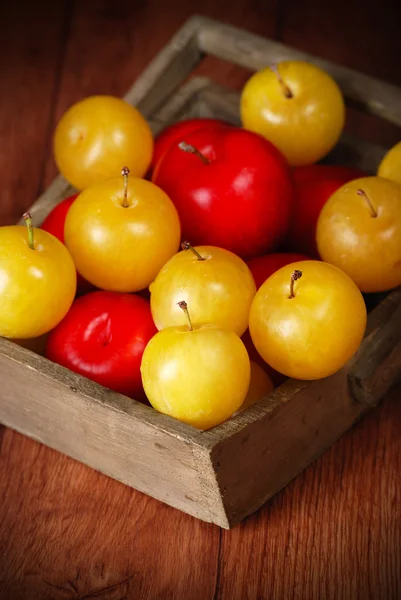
(67, 532)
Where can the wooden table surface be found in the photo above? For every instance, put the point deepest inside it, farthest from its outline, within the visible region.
(67, 532)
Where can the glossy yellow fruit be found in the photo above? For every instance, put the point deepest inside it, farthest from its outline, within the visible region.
(296, 106)
(122, 248)
(37, 286)
(316, 331)
(200, 377)
(390, 166)
(98, 136)
(219, 289)
(260, 386)
(359, 231)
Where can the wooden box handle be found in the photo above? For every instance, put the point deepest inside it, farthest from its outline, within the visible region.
(376, 367)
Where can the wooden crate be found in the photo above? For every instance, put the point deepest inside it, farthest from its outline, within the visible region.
(224, 474)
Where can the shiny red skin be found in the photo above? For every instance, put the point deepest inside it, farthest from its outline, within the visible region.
(54, 224)
(103, 337)
(177, 132)
(314, 184)
(313, 173)
(240, 201)
(263, 266)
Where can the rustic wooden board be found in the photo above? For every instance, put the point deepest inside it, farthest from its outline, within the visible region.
(226, 473)
(376, 367)
(107, 431)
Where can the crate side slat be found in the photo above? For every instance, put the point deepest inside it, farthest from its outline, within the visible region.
(255, 52)
(108, 432)
(180, 105)
(262, 458)
(376, 366)
(27, 360)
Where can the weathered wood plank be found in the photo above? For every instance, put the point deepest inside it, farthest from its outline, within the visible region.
(109, 432)
(376, 367)
(291, 428)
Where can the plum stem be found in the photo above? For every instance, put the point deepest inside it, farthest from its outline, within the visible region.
(125, 172)
(187, 246)
(184, 307)
(286, 89)
(372, 209)
(296, 275)
(192, 150)
(28, 221)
